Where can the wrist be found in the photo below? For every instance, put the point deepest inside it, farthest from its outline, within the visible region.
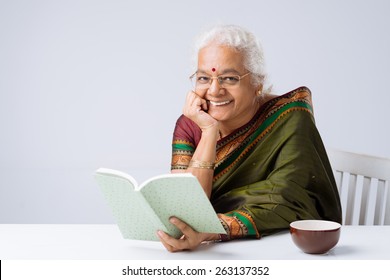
(212, 237)
(211, 131)
(211, 127)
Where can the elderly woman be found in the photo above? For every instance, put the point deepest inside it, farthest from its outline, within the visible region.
(259, 157)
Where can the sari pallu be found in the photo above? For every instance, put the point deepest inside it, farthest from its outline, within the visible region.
(270, 172)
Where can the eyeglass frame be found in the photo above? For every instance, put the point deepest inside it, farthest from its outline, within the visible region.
(218, 78)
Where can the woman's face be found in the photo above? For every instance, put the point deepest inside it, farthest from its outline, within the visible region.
(232, 107)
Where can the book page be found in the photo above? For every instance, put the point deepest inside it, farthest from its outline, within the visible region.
(181, 195)
(134, 216)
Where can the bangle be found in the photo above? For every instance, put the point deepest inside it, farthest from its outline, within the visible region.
(201, 164)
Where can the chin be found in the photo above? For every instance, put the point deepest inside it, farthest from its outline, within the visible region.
(219, 116)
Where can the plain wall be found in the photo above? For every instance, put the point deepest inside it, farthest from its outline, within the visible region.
(89, 84)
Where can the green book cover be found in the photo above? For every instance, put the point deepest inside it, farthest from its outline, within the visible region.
(141, 210)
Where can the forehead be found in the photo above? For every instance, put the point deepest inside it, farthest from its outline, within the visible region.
(220, 58)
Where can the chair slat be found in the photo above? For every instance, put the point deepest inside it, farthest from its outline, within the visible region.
(363, 184)
(386, 212)
(380, 205)
(371, 192)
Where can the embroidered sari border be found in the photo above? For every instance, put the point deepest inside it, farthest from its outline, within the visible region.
(259, 133)
(246, 220)
(176, 145)
(298, 95)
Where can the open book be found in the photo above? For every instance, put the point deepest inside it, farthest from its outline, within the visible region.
(141, 210)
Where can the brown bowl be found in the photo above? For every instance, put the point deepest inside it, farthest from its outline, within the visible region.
(315, 236)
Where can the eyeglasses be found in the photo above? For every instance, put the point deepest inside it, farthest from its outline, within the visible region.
(202, 81)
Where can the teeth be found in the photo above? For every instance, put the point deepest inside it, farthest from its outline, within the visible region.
(219, 103)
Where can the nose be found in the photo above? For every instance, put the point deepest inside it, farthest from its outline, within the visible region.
(215, 88)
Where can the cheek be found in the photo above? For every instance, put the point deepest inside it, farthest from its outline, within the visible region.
(245, 99)
(201, 94)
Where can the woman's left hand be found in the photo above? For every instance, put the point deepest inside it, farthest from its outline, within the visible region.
(190, 240)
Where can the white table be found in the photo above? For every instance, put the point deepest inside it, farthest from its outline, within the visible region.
(104, 242)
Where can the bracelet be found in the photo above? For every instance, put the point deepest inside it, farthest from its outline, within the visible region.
(201, 164)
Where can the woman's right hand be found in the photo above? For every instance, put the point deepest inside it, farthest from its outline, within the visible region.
(195, 108)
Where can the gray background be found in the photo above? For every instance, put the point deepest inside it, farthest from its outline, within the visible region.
(88, 84)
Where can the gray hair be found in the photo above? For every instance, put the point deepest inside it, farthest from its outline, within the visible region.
(241, 40)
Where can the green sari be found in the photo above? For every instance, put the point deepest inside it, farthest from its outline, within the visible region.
(269, 172)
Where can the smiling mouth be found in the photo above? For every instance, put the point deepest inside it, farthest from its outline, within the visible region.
(221, 103)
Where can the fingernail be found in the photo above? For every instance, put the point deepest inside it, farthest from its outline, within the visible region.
(160, 233)
(173, 220)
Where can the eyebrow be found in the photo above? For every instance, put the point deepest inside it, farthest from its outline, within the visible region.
(225, 71)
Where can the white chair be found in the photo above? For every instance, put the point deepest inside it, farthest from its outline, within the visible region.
(363, 182)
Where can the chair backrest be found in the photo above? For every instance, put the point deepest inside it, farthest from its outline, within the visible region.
(363, 182)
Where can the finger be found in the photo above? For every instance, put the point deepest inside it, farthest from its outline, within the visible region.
(170, 243)
(204, 105)
(192, 102)
(162, 235)
(195, 99)
(201, 95)
(194, 92)
(200, 105)
(191, 96)
(182, 226)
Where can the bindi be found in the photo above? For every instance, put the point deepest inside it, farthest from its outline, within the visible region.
(213, 69)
